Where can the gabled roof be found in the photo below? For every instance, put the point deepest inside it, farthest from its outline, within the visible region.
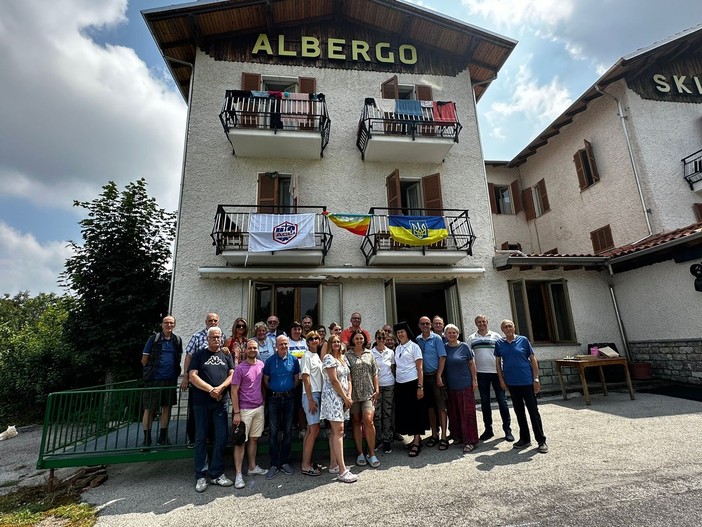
(179, 30)
(663, 51)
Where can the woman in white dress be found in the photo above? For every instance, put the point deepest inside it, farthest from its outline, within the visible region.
(312, 380)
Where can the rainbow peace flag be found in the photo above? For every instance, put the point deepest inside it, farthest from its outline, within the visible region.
(356, 223)
(417, 230)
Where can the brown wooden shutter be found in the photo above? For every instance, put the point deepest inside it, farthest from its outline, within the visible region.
(491, 196)
(602, 239)
(389, 89)
(541, 187)
(516, 196)
(528, 202)
(431, 188)
(423, 92)
(580, 169)
(697, 207)
(307, 84)
(504, 246)
(267, 193)
(392, 184)
(591, 161)
(251, 81)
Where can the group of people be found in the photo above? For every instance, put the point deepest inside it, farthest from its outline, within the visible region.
(387, 385)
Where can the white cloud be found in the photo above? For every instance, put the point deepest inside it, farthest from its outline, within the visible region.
(515, 13)
(27, 265)
(75, 114)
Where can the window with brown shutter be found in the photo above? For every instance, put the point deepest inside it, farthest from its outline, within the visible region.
(251, 81)
(543, 196)
(390, 88)
(602, 239)
(423, 92)
(392, 185)
(516, 197)
(697, 207)
(431, 188)
(528, 202)
(586, 166)
(274, 196)
(491, 196)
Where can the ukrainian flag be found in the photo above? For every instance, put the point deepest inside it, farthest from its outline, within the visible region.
(417, 230)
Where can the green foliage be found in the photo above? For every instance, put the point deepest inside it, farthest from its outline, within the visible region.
(120, 278)
(35, 358)
(37, 506)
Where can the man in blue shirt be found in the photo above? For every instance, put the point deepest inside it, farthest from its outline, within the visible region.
(281, 374)
(434, 355)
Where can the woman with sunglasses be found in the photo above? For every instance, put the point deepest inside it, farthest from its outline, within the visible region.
(336, 401)
(312, 382)
(385, 359)
(237, 342)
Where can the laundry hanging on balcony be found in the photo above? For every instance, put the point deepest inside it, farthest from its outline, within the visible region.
(355, 223)
(417, 230)
(278, 232)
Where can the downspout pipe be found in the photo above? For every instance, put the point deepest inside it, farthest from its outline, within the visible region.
(620, 324)
(182, 176)
(622, 118)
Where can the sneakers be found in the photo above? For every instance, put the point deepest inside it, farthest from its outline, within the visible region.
(361, 460)
(543, 447)
(348, 477)
(287, 469)
(509, 437)
(190, 444)
(487, 434)
(272, 472)
(373, 461)
(522, 443)
(257, 471)
(239, 482)
(387, 447)
(223, 481)
(201, 485)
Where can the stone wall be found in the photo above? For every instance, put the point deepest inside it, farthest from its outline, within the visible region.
(674, 360)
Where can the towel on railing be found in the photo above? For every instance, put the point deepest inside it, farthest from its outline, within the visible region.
(407, 107)
(445, 111)
(260, 94)
(385, 105)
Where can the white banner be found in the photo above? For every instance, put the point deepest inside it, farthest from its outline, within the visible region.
(278, 232)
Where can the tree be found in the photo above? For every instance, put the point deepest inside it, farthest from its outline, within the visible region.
(119, 277)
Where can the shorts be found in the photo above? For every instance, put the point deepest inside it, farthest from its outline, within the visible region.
(312, 418)
(253, 418)
(362, 406)
(434, 396)
(153, 400)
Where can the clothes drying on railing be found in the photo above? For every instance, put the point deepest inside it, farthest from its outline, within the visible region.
(445, 111)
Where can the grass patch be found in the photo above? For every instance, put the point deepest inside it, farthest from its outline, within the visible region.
(29, 506)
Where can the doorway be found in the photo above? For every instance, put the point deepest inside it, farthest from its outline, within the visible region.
(414, 300)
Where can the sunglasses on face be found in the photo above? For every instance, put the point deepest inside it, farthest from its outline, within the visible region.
(240, 326)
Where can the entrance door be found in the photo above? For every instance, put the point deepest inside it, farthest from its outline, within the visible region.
(414, 300)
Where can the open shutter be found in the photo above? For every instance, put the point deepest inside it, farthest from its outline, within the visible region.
(389, 89)
(491, 195)
(392, 184)
(423, 92)
(580, 169)
(267, 193)
(307, 84)
(591, 161)
(541, 188)
(697, 207)
(431, 189)
(251, 81)
(528, 202)
(516, 196)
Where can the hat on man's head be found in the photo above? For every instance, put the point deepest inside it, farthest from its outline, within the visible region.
(239, 434)
(403, 325)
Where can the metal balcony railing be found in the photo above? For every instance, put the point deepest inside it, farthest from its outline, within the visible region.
(296, 112)
(460, 233)
(231, 226)
(692, 168)
(417, 119)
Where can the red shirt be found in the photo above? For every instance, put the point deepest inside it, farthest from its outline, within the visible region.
(346, 335)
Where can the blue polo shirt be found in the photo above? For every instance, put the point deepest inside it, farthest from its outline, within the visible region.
(281, 372)
(432, 348)
(516, 367)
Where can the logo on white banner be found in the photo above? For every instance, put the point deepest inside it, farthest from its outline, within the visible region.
(279, 232)
(285, 232)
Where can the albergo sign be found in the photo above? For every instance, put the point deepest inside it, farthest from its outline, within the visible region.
(336, 49)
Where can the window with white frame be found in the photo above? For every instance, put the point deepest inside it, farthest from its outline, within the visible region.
(541, 310)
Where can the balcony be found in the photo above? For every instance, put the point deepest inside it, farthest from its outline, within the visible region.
(407, 131)
(692, 171)
(275, 125)
(230, 236)
(380, 249)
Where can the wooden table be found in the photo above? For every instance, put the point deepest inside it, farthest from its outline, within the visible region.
(581, 364)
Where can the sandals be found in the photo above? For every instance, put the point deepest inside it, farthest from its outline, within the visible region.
(432, 441)
(312, 471)
(373, 461)
(361, 460)
(415, 449)
(443, 444)
(468, 448)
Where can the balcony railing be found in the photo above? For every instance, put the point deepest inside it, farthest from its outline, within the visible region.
(692, 169)
(429, 120)
(230, 233)
(455, 247)
(276, 112)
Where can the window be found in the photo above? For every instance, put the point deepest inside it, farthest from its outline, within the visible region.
(289, 302)
(392, 89)
(602, 239)
(414, 197)
(697, 207)
(276, 193)
(507, 246)
(586, 167)
(535, 200)
(541, 310)
(255, 82)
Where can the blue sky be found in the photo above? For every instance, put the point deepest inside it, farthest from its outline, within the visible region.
(86, 99)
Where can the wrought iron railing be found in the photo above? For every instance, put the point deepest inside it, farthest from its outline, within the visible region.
(692, 168)
(427, 119)
(296, 112)
(230, 231)
(460, 233)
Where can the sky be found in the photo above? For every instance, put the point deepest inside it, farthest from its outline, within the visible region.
(86, 98)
